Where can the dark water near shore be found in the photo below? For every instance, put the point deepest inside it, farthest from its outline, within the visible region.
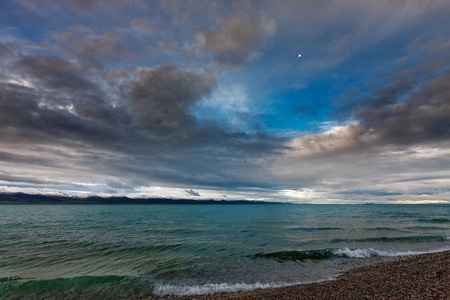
(113, 251)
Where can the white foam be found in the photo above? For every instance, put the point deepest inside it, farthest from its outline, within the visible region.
(211, 288)
(370, 252)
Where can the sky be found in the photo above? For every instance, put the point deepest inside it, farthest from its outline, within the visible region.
(211, 100)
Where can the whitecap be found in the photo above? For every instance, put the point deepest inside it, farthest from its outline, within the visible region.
(211, 288)
(370, 252)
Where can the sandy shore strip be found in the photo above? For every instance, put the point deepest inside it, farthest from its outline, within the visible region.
(425, 276)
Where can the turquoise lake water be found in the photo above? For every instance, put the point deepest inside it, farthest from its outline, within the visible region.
(113, 251)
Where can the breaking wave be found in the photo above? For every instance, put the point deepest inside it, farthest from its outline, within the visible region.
(324, 254)
(211, 288)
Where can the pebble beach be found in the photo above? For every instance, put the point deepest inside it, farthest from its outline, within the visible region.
(425, 276)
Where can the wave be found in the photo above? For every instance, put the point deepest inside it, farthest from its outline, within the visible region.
(434, 220)
(297, 255)
(384, 239)
(118, 287)
(312, 229)
(381, 229)
(426, 228)
(323, 254)
(370, 252)
(211, 288)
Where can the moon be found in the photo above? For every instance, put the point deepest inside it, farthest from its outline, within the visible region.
(299, 55)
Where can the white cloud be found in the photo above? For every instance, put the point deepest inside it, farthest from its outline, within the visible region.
(334, 138)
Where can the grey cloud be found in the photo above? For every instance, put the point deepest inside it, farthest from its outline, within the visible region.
(373, 172)
(27, 3)
(378, 193)
(59, 104)
(54, 72)
(389, 94)
(413, 109)
(117, 6)
(208, 157)
(17, 106)
(426, 177)
(5, 52)
(115, 185)
(59, 84)
(111, 45)
(38, 6)
(423, 116)
(241, 38)
(162, 96)
(64, 107)
(24, 121)
(84, 5)
(24, 179)
(182, 13)
(191, 192)
(144, 26)
(64, 104)
(20, 154)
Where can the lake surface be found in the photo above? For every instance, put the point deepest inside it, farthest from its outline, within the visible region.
(113, 251)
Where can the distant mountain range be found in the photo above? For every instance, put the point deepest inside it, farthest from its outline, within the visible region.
(23, 198)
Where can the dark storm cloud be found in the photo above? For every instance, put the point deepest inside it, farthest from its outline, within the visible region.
(410, 112)
(25, 121)
(63, 101)
(63, 85)
(161, 98)
(54, 101)
(150, 132)
(241, 38)
(55, 73)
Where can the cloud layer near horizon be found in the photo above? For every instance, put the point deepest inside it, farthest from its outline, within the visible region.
(210, 100)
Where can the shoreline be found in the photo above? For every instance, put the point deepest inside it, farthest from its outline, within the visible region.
(422, 276)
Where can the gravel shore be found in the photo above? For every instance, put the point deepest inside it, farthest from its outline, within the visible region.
(425, 276)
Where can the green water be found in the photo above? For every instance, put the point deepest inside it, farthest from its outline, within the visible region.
(117, 251)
